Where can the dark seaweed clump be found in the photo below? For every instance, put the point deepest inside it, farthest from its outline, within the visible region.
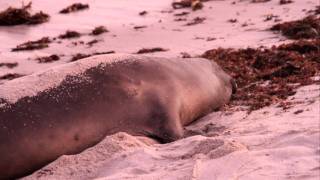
(143, 13)
(267, 76)
(9, 65)
(282, 2)
(195, 21)
(10, 76)
(48, 59)
(33, 45)
(260, 1)
(99, 30)
(151, 50)
(307, 28)
(74, 7)
(16, 16)
(69, 34)
(193, 4)
(78, 56)
(317, 10)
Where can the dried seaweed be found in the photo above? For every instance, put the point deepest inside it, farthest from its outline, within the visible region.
(74, 8)
(17, 16)
(33, 45)
(267, 76)
(307, 28)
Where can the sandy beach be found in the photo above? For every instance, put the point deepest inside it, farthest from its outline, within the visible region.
(273, 141)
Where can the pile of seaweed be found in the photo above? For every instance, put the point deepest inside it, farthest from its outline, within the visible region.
(78, 56)
(16, 16)
(193, 4)
(10, 76)
(99, 30)
(48, 59)
(74, 7)
(308, 27)
(32, 45)
(69, 34)
(267, 76)
(151, 50)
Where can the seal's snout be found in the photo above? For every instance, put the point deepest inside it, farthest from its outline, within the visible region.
(234, 85)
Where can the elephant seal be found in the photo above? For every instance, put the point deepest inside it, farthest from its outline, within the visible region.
(66, 109)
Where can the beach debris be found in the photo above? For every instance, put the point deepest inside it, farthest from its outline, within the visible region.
(282, 2)
(92, 42)
(151, 50)
(298, 111)
(76, 43)
(69, 34)
(10, 76)
(9, 65)
(48, 59)
(317, 10)
(184, 13)
(181, 4)
(139, 27)
(245, 24)
(17, 16)
(33, 45)
(308, 27)
(195, 21)
(185, 55)
(74, 8)
(193, 4)
(180, 19)
(232, 20)
(268, 76)
(143, 13)
(260, 1)
(269, 17)
(99, 30)
(211, 39)
(196, 5)
(81, 55)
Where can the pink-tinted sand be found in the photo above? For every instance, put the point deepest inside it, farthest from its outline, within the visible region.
(270, 143)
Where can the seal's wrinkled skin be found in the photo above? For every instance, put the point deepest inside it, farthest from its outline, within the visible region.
(140, 95)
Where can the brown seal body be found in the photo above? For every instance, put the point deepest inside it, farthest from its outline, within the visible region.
(67, 109)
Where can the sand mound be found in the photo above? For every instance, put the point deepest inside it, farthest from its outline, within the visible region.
(121, 156)
(83, 165)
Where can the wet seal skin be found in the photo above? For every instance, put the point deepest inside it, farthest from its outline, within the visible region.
(140, 95)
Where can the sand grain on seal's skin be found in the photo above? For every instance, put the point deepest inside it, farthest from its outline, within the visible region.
(32, 85)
